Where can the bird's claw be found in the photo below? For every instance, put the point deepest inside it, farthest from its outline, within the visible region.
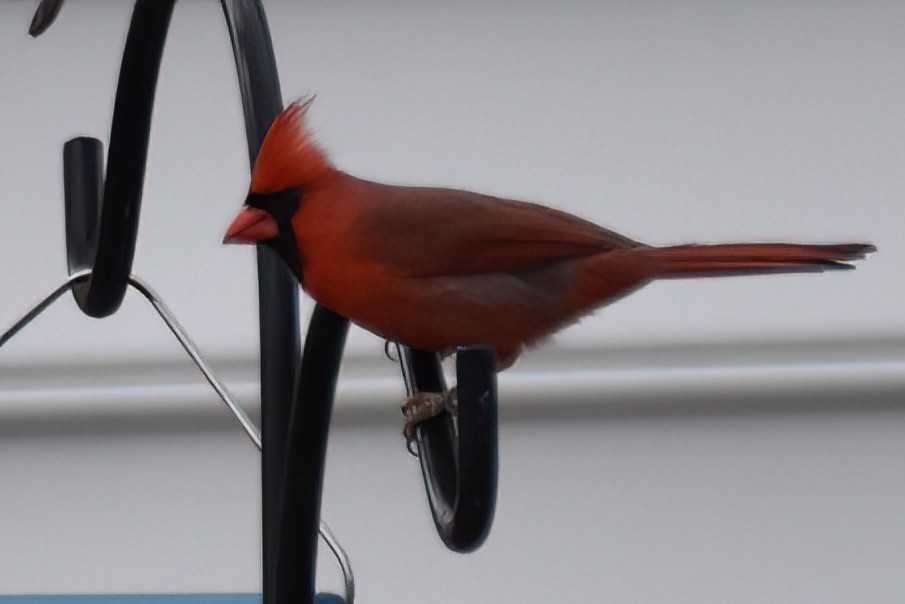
(422, 407)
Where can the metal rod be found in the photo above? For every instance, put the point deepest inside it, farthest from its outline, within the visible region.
(170, 319)
(247, 424)
(306, 452)
(259, 86)
(458, 456)
(126, 159)
(188, 345)
(42, 305)
(344, 563)
(44, 17)
(404, 357)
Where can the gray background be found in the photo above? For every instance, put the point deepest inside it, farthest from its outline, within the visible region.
(733, 440)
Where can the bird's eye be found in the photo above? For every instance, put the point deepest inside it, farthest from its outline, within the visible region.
(281, 204)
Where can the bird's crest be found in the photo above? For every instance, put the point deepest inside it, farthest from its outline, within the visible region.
(289, 157)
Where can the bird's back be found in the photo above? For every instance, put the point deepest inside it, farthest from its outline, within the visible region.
(426, 231)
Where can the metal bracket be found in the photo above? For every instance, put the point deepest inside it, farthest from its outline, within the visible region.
(102, 221)
(458, 455)
(219, 387)
(102, 213)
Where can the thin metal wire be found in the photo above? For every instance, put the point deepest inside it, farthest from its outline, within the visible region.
(403, 357)
(170, 319)
(344, 563)
(388, 346)
(43, 304)
(247, 424)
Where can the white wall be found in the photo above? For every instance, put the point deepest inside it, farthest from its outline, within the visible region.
(699, 441)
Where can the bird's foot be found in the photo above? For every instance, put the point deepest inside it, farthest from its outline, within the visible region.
(422, 407)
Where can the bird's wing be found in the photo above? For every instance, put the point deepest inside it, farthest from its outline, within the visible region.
(422, 231)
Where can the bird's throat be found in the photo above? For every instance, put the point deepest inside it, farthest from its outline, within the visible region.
(281, 206)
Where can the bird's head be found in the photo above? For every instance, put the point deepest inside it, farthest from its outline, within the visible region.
(288, 163)
(267, 218)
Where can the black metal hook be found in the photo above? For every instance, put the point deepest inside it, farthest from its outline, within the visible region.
(101, 227)
(458, 455)
(306, 450)
(45, 15)
(102, 213)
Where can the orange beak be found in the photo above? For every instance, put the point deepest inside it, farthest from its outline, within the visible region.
(252, 225)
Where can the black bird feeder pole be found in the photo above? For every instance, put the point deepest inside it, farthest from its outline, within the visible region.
(295, 409)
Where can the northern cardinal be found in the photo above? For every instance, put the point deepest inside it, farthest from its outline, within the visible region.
(436, 268)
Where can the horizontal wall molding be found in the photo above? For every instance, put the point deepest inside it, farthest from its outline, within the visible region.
(548, 383)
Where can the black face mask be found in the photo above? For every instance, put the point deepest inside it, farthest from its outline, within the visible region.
(281, 205)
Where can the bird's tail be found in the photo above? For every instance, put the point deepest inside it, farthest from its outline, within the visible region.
(754, 258)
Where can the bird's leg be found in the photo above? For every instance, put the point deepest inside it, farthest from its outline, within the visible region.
(422, 407)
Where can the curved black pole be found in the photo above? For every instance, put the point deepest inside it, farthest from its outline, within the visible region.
(293, 458)
(44, 17)
(303, 479)
(459, 455)
(109, 217)
(259, 86)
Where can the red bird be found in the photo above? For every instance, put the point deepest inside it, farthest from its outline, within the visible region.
(437, 268)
